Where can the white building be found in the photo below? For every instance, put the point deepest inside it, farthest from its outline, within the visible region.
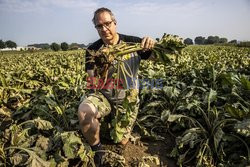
(20, 48)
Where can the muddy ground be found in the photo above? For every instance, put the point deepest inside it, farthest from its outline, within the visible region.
(137, 153)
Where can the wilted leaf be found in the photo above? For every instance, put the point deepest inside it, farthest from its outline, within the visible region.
(3, 81)
(5, 111)
(42, 124)
(63, 164)
(151, 159)
(35, 161)
(113, 159)
(43, 142)
(19, 159)
(18, 135)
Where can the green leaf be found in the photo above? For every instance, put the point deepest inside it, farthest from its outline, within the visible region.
(63, 84)
(218, 137)
(211, 97)
(234, 112)
(171, 92)
(245, 83)
(3, 81)
(189, 137)
(71, 144)
(117, 134)
(243, 127)
(166, 116)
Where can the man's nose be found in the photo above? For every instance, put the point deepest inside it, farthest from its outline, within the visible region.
(104, 28)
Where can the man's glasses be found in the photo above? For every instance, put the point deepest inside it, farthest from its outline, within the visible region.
(101, 26)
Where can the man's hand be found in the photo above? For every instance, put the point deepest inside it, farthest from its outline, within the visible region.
(147, 43)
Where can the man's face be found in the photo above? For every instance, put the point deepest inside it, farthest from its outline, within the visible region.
(105, 26)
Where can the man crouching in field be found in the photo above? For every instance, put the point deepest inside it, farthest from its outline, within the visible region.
(106, 101)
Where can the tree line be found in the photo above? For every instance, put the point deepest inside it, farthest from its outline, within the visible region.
(65, 46)
(200, 40)
(54, 46)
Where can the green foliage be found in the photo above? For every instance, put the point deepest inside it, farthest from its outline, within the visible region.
(199, 40)
(74, 46)
(38, 108)
(64, 46)
(188, 41)
(204, 104)
(2, 44)
(243, 127)
(212, 40)
(10, 44)
(233, 41)
(223, 40)
(55, 47)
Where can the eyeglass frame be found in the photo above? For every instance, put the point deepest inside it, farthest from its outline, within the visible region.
(106, 25)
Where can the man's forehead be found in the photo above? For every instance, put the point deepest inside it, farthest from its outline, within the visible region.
(105, 15)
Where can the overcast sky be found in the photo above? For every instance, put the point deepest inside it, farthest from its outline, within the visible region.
(47, 21)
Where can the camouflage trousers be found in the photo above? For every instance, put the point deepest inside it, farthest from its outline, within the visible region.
(116, 119)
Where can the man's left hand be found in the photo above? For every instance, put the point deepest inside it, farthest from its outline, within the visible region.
(147, 43)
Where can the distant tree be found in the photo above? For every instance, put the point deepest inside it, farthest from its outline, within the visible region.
(2, 44)
(213, 39)
(188, 41)
(199, 40)
(45, 46)
(216, 39)
(74, 46)
(64, 46)
(54, 46)
(210, 40)
(233, 41)
(223, 40)
(10, 44)
(206, 41)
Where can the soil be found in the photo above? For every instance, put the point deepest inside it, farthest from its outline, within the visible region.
(135, 151)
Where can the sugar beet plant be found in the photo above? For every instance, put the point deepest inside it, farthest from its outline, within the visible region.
(39, 97)
(205, 106)
(40, 93)
(167, 48)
